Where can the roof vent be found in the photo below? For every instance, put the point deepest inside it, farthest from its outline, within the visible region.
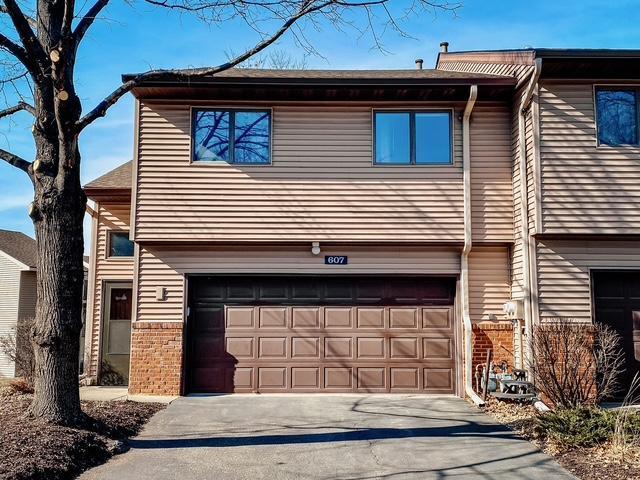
(444, 47)
(419, 63)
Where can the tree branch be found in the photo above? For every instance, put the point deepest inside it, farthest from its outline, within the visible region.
(16, 50)
(185, 74)
(88, 20)
(17, 108)
(15, 160)
(69, 11)
(30, 42)
(32, 21)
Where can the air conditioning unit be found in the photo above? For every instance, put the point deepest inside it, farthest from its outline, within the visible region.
(514, 309)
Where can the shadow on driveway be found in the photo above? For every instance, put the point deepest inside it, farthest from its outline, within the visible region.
(322, 437)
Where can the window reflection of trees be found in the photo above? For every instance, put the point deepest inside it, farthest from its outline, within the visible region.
(617, 117)
(249, 131)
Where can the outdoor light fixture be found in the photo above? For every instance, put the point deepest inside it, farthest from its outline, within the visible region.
(315, 248)
(513, 309)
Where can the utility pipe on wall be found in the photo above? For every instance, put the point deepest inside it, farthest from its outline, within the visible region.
(524, 203)
(468, 243)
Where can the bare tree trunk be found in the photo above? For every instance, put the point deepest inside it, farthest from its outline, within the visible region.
(58, 217)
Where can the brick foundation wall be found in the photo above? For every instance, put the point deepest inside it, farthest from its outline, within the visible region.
(496, 336)
(156, 358)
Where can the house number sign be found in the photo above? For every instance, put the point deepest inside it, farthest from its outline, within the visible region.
(336, 260)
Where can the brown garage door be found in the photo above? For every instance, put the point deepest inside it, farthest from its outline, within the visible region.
(320, 334)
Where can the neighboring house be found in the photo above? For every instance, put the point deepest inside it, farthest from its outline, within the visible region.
(18, 256)
(337, 231)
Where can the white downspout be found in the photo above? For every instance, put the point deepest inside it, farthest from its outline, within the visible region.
(524, 203)
(466, 250)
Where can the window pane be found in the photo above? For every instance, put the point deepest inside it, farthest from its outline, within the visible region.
(120, 245)
(617, 121)
(433, 138)
(392, 138)
(211, 135)
(252, 131)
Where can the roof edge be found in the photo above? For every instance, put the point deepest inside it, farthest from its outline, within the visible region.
(517, 57)
(21, 265)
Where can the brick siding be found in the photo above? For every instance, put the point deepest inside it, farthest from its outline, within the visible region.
(156, 358)
(496, 336)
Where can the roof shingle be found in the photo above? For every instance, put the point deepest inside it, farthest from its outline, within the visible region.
(19, 246)
(433, 76)
(117, 179)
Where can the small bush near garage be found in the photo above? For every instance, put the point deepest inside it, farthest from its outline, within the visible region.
(31, 449)
(577, 427)
(574, 364)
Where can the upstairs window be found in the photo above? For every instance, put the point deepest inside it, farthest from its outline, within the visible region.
(412, 138)
(120, 245)
(617, 116)
(232, 136)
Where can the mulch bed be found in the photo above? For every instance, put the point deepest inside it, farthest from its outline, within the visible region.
(32, 449)
(594, 463)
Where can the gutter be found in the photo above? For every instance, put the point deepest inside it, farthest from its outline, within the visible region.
(524, 205)
(466, 250)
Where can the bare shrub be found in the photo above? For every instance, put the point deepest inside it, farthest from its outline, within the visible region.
(17, 346)
(575, 364)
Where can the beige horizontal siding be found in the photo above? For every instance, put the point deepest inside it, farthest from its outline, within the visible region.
(491, 183)
(9, 300)
(111, 217)
(516, 254)
(166, 267)
(585, 189)
(489, 282)
(563, 273)
(321, 184)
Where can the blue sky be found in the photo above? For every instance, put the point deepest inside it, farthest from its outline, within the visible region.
(136, 37)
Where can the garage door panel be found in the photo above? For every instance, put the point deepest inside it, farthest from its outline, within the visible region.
(306, 317)
(248, 344)
(370, 317)
(209, 318)
(338, 347)
(273, 317)
(272, 348)
(437, 319)
(207, 348)
(240, 289)
(239, 317)
(403, 318)
(372, 378)
(339, 378)
(305, 378)
(241, 348)
(371, 348)
(438, 380)
(403, 348)
(338, 317)
(405, 378)
(305, 348)
(242, 379)
(437, 348)
(272, 378)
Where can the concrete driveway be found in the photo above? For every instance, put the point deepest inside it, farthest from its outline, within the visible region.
(326, 437)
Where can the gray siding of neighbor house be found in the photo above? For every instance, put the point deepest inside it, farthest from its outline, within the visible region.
(9, 302)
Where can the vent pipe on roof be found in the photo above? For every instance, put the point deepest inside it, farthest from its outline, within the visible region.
(419, 63)
(444, 47)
